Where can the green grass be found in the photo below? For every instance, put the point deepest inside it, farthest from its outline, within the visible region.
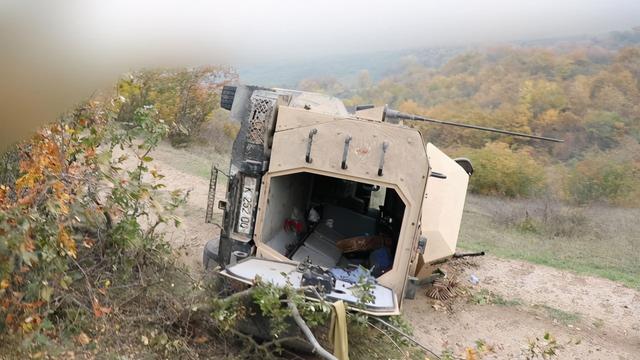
(194, 160)
(604, 242)
(562, 316)
(486, 297)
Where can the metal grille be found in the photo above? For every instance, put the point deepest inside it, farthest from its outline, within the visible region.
(261, 110)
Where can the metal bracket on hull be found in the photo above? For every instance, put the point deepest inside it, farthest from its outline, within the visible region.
(345, 152)
(385, 146)
(312, 133)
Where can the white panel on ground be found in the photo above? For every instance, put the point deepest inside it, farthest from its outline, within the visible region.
(272, 271)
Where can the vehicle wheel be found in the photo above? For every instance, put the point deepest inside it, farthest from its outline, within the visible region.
(210, 255)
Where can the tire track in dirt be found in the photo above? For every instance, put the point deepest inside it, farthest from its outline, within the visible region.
(190, 237)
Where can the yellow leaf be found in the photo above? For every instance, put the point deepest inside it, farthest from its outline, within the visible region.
(3, 193)
(83, 339)
(66, 241)
(471, 354)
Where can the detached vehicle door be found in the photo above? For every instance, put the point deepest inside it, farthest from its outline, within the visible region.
(443, 205)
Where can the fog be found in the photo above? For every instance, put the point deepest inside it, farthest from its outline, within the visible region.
(56, 53)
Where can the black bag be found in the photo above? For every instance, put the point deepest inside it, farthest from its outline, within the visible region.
(322, 280)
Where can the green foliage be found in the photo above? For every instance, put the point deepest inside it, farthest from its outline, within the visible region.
(219, 131)
(363, 290)
(541, 95)
(502, 171)
(528, 225)
(447, 354)
(9, 166)
(226, 313)
(271, 302)
(604, 129)
(184, 98)
(76, 205)
(269, 298)
(486, 297)
(560, 315)
(606, 177)
(587, 96)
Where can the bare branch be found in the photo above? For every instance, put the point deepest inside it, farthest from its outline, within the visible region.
(307, 332)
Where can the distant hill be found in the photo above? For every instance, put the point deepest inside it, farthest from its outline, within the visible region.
(345, 68)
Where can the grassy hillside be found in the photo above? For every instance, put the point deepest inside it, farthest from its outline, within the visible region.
(597, 240)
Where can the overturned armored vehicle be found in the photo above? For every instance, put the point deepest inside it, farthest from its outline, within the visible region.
(323, 197)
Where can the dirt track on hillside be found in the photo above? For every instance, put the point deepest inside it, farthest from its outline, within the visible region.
(591, 318)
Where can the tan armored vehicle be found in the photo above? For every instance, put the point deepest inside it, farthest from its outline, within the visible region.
(319, 196)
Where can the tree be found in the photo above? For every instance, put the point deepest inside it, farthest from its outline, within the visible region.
(502, 171)
(541, 95)
(183, 98)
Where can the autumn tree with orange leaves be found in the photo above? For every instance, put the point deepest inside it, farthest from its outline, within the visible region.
(77, 219)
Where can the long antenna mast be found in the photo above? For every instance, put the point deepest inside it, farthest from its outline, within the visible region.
(395, 114)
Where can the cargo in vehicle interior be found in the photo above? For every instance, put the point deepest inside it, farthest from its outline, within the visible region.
(331, 221)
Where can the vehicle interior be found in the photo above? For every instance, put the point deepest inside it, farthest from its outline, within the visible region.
(333, 222)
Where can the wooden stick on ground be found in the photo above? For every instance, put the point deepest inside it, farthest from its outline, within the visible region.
(308, 334)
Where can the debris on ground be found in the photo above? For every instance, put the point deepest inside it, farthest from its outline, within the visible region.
(474, 280)
(444, 288)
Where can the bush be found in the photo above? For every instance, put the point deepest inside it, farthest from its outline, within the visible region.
(9, 166)
(184, 98)
(76, 219)
(502, 171)
(219, 131)
(604, 129)
(606, 177)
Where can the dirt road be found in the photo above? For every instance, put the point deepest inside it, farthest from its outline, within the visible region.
(513, 303)
(516, 301)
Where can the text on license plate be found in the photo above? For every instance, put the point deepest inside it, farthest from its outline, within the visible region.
(245, 216)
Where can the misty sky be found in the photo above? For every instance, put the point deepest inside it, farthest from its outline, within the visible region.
(252, 30)
(274, 29)
(296, 28)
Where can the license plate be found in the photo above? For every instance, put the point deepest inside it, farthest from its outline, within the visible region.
(245, 217)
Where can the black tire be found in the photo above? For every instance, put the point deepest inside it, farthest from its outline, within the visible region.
(227, 96)
(210, 255)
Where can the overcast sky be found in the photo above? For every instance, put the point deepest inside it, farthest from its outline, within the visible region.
(286, 28)
(244, 30)
(54, 53)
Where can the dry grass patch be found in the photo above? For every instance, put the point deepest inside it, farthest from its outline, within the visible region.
(597, 240)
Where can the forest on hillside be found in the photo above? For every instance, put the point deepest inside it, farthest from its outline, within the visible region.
(587, 95)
